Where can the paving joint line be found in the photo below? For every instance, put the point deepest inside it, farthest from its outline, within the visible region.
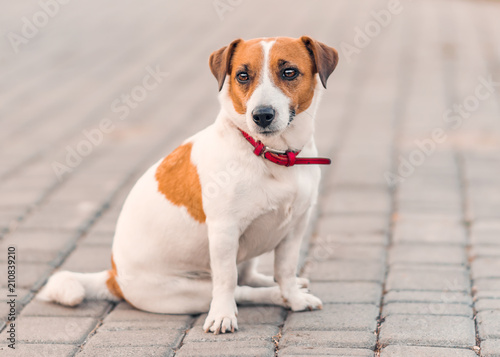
(109, 309)
(184, 335)
(449, 73)
(277, 338)
(467, 222)
(403, 84)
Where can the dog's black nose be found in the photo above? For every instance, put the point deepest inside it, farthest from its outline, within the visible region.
(263, 116)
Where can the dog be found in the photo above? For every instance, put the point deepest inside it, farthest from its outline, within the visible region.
(191, 230)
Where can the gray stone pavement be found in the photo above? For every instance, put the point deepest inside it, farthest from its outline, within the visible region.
(405, 251)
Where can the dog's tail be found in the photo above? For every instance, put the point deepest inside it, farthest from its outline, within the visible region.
(68, 288)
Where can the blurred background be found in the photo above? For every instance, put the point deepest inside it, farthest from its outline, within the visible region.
(92, 93)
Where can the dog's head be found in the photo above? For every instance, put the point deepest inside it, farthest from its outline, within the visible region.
(267, 83)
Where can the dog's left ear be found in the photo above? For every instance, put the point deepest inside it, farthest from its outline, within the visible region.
(325, 58)
(220, 62)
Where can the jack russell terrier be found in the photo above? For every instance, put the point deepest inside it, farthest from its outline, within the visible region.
(191, 229)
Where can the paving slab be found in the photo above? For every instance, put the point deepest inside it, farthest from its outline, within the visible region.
(228, 349)
(39, 350)
(485, 268)
(485, 251)
(98, 238)
(340, 271)
(330, 339)
(427, 254)
(427, 309)
(29, 277)
(325, 351)
(359, 223)
(58, 330)
(356, 238)
(354, 200)
(347, 292)
(258, 315)
(398, 351)
(88, 308)
(244, 333)
(437, 278)
(432, 231)
(62, 218)
(488, 323)
(36, 246)
(114, 351)
(324, 249)
(136, 338)
(89, 259)
(490, 348)
(428, 330)
(487, 304)
(126, 317)
(340, 317)
(430, 297)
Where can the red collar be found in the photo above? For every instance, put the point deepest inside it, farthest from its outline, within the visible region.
(283, 158)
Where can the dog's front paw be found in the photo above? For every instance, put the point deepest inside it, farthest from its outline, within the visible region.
(221, 319)
(220, 323)
(304, 301)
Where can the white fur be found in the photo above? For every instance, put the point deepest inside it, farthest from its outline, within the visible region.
(167, 262)
(267, 94)
(68, 288)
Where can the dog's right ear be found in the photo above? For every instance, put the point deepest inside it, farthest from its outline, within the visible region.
(220, 62)
(325, 58)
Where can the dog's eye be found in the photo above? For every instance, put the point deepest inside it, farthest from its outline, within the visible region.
(289, 74)
(242, 77)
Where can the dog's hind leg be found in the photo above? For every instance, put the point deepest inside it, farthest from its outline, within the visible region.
(68, 288)
(168, 294)
(248, 275)
(246, 295)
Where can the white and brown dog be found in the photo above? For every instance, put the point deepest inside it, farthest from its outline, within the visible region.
(191, 229)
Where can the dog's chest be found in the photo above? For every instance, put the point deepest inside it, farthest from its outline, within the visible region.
(282, 205)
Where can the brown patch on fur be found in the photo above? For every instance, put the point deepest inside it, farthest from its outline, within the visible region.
(240, 55)
(220, 62)
(178, 180)
(248, 57)
(325, 58)
(291, 53)
(111, 283)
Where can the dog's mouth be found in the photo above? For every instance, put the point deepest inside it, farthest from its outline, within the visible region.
(268, 132)
(291, 116)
